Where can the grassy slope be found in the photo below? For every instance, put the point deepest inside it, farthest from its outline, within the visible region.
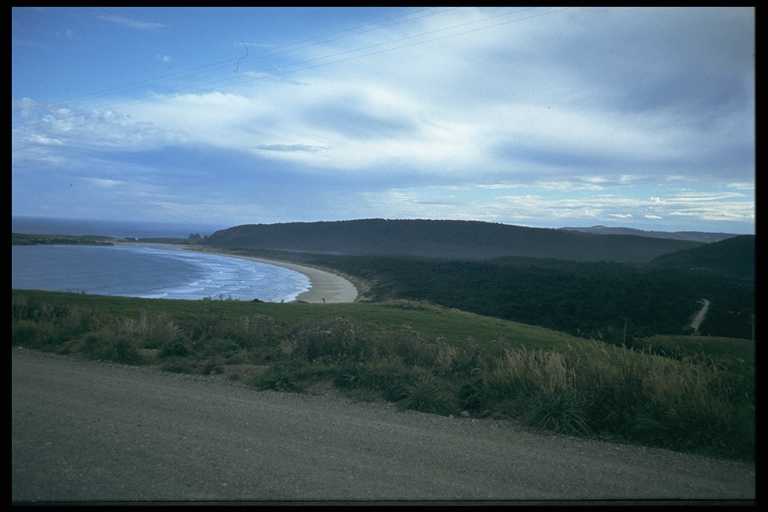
(452, 324)
(732, 352)
(423, 357)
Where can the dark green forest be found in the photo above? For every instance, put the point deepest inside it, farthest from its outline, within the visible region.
(734, 257)
(582, 298)
(27, 239)
(446, 239)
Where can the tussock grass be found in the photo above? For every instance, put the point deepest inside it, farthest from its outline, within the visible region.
(729, 353)
(422, 357)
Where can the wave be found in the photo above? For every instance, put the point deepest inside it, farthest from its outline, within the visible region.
(154, 272)
(230, 277)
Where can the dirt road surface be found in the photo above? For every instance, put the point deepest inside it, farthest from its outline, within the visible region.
(84, 430)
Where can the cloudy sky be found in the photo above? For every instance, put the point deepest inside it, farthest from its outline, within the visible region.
(546, 117)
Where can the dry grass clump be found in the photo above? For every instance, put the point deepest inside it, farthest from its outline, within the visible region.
(604, 389)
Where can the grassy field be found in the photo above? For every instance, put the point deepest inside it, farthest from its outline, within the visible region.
(732, 354)
(422, 357)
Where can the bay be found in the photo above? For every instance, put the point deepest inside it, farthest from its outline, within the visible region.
(151, 271)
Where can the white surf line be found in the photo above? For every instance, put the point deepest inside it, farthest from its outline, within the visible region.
(325, 287)
(699, 317)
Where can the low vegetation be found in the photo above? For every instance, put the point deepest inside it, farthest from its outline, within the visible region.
(28, 239)
(422, 357)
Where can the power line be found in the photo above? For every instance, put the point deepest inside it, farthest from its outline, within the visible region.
(426, 11)
(300, 68)
(223, 80)
(222, 63)
(295, 69)
(414, 36)
(218, 81)
(226, 62)
(432, 39)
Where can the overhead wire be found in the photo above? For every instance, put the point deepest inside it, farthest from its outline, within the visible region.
(249, 76)
(425, 11)
(192, 71)
(222, 80)
(412, 36)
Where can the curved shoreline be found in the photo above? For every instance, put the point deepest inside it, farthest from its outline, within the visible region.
(332, 287)
(323, 284)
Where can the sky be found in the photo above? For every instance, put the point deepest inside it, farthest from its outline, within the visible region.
(544, 117)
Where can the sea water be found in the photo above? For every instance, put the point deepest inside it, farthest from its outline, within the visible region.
(151, 271)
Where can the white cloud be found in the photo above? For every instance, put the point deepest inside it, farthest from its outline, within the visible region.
(70, 129)
(426, 202)
(103, 182)
(401, 118)
(566, 185)
(130, 22)
(43, 140)
(546, 105)
(501, 186)
(742, 185)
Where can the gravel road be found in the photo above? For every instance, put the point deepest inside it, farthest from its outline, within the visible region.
(84, 430)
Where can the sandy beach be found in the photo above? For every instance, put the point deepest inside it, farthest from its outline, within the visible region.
(324, 285)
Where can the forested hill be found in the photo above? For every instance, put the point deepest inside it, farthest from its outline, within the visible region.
(732, 257)
(443, 239)
(694, 236)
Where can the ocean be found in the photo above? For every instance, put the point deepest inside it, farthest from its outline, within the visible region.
(120, 229)
(151, 271)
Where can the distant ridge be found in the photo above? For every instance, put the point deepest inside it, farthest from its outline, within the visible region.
(692, 236)
(124, 228)
(734, 257)
(443, 239)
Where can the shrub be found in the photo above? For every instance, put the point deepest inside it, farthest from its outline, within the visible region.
(258, 331)
(466, 361)
(34, 334)
(445, 356)
(110, 347)
(76, 322)
(219, 346)
(292, 376)
(175, 348)
(559, 411)
(179, 366)
(162, 330)
(212, 367)
(331, 340)
(25, 332)
(428, 394)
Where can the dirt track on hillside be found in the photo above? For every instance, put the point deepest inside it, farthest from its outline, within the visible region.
(700, 315)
